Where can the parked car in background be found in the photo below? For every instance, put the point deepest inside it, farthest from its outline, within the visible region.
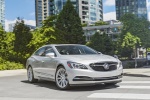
(148, 56)
(73, 65)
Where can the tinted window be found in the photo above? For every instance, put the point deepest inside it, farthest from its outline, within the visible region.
(148, 53)
(75, 50)
(43, 51)
(49, 50)
(40, 52)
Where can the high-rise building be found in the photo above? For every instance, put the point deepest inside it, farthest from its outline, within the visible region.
(90, 11)
(136, 7)
(2, 12)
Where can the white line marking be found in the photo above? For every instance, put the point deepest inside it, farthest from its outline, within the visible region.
(133, 87)
(132, 82)
(120, 96)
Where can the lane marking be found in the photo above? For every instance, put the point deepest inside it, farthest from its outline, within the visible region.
(120, 96)
(132, 82)
(133, 87)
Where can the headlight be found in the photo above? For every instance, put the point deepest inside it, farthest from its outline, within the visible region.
(120, 64)
(74, 65)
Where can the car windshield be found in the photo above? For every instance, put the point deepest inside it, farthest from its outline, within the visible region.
(75, 50)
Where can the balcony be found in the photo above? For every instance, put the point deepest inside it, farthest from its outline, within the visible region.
(85, 2)
(85, 8)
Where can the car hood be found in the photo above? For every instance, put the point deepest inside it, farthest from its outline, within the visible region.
(87, 59)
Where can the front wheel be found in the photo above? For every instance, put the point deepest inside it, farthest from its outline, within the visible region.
(61, 78)
(30, 75)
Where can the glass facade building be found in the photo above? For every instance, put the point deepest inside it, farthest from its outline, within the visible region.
(58, 4)
(90, 11)
(136, 7)
(2, 13)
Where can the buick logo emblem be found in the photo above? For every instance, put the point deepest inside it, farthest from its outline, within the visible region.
(106, 66)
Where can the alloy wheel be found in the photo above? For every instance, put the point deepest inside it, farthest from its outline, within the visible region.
(30, 74)
(61, 78)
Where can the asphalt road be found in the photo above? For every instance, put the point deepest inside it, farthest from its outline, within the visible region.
(133, 87)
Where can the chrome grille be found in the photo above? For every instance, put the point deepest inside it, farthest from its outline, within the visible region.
(104, 66)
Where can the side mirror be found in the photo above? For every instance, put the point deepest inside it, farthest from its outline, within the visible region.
(51, 55)
(116, 56)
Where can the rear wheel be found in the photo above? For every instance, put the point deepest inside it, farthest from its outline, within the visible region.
(61, 78)
(30, 75)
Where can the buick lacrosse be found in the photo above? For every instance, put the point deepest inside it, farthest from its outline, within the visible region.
(73, 65)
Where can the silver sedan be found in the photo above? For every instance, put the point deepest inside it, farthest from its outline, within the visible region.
(73, 64)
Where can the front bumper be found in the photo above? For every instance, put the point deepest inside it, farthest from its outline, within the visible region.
(88, 77)
(85, 78)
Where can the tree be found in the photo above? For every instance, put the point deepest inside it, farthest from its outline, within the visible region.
(22, 38)
(47, 34)
(129, 44)
(69, 23)
(9, 45)
(50, 21)
(138, 27)
(101, 43)
(2, 41)
(40, 38)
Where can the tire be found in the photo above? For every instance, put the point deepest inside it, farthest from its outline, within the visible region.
(61, 78)
(30, 75)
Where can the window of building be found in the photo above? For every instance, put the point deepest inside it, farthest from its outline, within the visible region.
(92, 13)
(93, 18)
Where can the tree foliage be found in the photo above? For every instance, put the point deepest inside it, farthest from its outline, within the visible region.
(69, 23)
(129, 45)
(47, 34)
(50, 21)
(22, 37)
(130, 41)
(39, 39)
(101, 43)
(100, 23)
(138, 27)
(2, 41)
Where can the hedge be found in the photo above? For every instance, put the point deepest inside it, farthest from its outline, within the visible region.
(7, 65)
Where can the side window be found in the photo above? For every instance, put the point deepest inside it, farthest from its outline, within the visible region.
(49, 50)
(40, 52)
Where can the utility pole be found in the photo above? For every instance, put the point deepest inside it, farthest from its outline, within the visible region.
(135, 57)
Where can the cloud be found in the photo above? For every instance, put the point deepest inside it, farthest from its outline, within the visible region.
(28, 22)
(148, 8)
(110, 16)
(109, 3)
(148, 3)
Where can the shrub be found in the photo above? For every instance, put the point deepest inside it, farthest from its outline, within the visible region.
(131, 64)
(7, 65)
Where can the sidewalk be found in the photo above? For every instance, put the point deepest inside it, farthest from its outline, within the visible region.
(138, 71)
(12, 72)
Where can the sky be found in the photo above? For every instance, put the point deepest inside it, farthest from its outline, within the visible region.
(26, 10)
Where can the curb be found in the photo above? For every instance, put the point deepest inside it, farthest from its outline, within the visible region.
(6, 73)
